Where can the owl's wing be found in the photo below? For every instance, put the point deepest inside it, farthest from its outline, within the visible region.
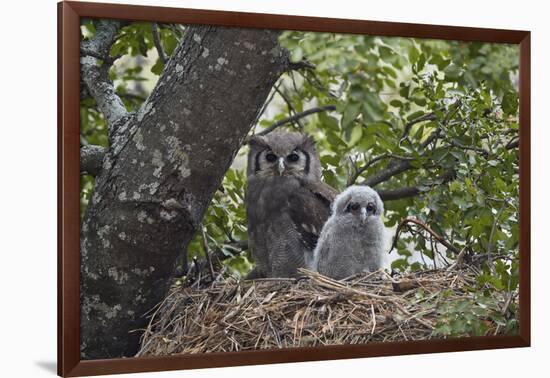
(309, 210)
(324, 192)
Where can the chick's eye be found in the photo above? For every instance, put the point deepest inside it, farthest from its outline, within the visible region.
(270, 157)
(293, 157)
(370, 207)
(353, 207)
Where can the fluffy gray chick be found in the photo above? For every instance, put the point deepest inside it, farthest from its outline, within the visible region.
(352, 239)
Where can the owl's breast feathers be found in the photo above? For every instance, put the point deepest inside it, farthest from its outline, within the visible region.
(296, 209)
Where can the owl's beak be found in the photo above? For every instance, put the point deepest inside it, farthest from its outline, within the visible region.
(281, 166)
(363, 214)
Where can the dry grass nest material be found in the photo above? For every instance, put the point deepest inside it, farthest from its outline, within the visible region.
(232, 315)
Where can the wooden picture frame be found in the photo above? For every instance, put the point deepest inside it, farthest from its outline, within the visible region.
(69, 14)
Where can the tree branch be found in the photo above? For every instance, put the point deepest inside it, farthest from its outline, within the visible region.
(406, 221)
(294, 118)
(237, 247)
(396, 194)
(513, 143)
(94, 67)
(422, 118)
(267, 102)
(393, 168)
(396, 167)
(207, 251)
(303, 64)
(291, 109)
(312, 79)
(479, 150)
(91, 159)
(106, 59)
(359, 171)
(158, 45)
(411, 191)
(133, 97)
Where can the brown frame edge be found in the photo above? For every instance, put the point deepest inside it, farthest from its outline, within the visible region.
(69, 13)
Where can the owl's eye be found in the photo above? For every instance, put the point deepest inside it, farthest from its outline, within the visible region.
(270, 157)
(370, 207)
(293, 157)
(353, 207)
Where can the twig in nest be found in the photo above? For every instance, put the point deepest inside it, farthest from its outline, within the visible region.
(404, 285)
(373, 319)
(459, 258)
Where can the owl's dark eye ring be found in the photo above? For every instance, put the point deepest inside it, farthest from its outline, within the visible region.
(370, 207)
(353, 206)
(270, 157)
(293, 157)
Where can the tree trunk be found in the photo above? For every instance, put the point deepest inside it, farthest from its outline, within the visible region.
(160, 173)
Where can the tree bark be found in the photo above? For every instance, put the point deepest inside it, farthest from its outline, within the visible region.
(160, 173)
(94, 67)
(91, 159)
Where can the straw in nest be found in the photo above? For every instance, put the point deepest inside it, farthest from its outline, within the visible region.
(312, 311)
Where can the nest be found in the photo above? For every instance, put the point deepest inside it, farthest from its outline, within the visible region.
(314, 310)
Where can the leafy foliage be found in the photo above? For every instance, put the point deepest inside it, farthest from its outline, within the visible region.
(470, 317)
(444, 112)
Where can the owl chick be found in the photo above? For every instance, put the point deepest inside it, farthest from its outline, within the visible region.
(352, 239)
(286, 203)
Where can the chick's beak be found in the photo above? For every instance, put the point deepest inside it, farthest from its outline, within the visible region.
(363, 214)
(281, 166)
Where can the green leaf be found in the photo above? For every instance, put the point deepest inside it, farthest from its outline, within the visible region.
(351, 111)
(169, 41)
(389, 71)
(329, 121)
(333, 160)
(396, 103)
(439, 61)
(415, 115)
(373, 107)
(414, 54)
(334, 139)
(452, 72)
(355, 135)
(157, 67)
(386, 53)
(405, 90)
(510, 103)
(419, 101)
(421, 62)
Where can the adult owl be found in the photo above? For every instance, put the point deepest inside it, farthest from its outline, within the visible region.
(353, 238)
(286, 203)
